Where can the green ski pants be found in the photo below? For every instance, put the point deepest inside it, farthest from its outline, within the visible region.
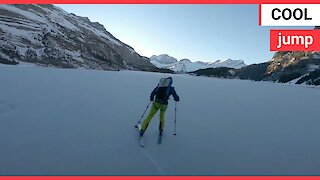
(154, 109)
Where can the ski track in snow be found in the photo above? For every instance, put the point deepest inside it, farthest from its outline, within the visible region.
(71, 122)
(153, 161)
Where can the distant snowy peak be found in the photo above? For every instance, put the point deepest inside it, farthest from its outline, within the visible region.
(185, 61)
(163, 59)
(237, 64)
(185, 65)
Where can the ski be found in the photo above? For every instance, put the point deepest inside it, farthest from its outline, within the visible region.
(139, 126)
(141, 139)
(159, 139)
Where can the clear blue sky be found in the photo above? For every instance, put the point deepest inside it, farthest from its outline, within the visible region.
(197, 32)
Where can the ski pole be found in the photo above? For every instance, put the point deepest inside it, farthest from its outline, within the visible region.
(143, 115)
(175, 119)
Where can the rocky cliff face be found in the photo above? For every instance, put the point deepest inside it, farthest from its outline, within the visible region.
(288, 66)
(48, 35)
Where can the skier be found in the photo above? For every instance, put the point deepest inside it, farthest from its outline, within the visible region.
(162, 93)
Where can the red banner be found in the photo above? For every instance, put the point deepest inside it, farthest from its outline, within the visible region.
(159, 177)
(159, 2)
(294, 40)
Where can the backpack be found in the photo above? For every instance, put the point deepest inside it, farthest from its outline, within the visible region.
(165, 82)
(163, 89)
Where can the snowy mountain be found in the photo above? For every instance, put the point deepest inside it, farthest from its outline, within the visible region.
(163, 59)
(284, 67)
(297, 67)
(70, 122)
(48, 35)
(185, 65)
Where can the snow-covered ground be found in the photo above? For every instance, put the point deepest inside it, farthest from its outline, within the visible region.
(81, 122)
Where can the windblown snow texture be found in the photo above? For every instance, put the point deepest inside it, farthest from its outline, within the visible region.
(81, 122)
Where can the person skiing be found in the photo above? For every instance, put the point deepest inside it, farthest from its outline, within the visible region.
(161, 94)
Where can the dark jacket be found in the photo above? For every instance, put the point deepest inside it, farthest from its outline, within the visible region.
(162, 94)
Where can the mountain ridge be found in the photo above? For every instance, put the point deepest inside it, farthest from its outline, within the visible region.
(285, 67)
(185, 65)
(48, 35)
